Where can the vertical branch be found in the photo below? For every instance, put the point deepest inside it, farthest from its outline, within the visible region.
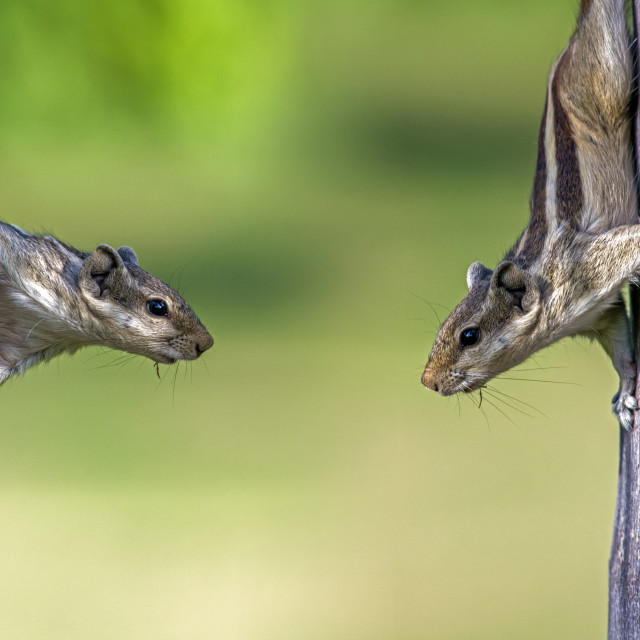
(624, 564)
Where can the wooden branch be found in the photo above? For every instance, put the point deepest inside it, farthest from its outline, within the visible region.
(624, 564)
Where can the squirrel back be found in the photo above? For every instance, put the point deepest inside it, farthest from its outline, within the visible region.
(584, 174)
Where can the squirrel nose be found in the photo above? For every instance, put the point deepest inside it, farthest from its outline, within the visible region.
(203, 344)
(428, 380)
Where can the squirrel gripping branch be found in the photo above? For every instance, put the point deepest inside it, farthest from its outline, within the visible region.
(564, 275)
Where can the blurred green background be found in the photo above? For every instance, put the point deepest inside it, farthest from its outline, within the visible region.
(315, 178)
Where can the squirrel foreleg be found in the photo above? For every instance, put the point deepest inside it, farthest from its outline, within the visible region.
(613, 332)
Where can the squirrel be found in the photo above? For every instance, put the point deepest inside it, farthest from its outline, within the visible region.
(564, 275)
(56, 299)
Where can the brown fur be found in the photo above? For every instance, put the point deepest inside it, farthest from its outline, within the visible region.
(56, 299)
(563, 276)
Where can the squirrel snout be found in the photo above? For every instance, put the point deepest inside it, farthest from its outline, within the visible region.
(203, 344)
(429, 381)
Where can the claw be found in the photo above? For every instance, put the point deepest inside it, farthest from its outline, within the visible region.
(624, 405)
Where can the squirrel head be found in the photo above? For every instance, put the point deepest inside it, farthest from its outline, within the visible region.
(489, 332)
(131, 310)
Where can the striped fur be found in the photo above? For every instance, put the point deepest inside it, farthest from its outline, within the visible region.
(564, 275)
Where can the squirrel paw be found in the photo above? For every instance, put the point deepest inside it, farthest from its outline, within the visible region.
(624, 404)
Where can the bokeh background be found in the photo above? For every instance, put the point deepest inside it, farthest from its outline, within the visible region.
(315, 178)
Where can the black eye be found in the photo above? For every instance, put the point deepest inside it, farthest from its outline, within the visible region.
(157, 307)
(469, 337)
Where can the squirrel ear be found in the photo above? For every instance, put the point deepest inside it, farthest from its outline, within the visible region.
(475, 273)
(520, 286)
(95, 270)
(129, 255)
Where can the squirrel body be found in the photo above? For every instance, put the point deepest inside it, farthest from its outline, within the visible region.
(564, 275)
(55, 299)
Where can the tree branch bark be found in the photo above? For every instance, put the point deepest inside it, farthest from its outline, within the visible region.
(624, 564)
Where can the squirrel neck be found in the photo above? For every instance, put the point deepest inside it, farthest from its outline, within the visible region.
(38, 282)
